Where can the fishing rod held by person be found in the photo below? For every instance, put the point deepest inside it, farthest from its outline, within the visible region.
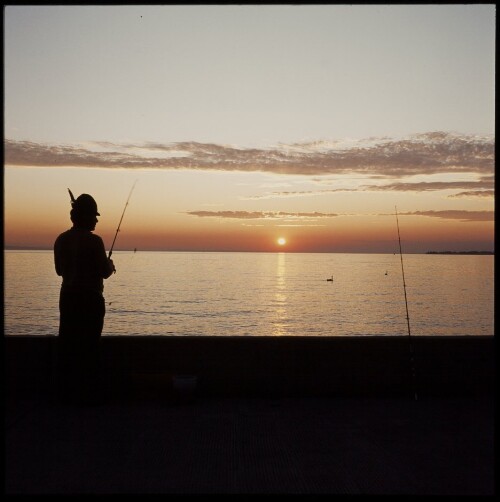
(412, 360)
(119, 224)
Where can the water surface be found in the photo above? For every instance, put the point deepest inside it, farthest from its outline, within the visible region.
(265, 294)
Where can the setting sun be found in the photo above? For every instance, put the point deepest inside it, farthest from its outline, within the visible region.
(281, 241)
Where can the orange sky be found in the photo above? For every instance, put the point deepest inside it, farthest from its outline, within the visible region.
(341, 234)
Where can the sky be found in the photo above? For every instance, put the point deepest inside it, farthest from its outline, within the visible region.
(244, 124)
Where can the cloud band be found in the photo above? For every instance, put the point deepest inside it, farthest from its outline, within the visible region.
(426, 153)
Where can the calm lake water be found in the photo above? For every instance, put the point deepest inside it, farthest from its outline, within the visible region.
(265, 294)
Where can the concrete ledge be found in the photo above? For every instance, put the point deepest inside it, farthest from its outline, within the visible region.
(260, 366)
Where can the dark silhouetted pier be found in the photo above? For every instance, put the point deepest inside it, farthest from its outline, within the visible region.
(269, 415)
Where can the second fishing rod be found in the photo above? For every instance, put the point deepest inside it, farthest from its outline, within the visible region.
(412, 354)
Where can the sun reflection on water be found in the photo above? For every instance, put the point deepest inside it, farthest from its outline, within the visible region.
(280, 326)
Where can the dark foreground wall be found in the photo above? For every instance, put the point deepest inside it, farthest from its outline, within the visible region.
(285, 366)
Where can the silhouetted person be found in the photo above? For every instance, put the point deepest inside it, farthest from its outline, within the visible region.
(80, 258)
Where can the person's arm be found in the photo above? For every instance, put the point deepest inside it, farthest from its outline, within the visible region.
(111, 267)
(107, 266)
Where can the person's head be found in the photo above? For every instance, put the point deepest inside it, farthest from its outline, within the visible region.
(84, 212)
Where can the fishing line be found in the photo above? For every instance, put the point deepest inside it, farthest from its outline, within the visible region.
(412, 358)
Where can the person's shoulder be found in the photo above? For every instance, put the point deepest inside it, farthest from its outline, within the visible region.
(63, 235)
(96, 239)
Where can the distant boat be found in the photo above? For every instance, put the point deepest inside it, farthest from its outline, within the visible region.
(331, 279)
(135, 249)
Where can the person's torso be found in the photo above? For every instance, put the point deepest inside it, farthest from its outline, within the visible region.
(79, 259)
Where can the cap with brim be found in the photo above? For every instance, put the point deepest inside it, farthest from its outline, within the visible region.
(86, 204)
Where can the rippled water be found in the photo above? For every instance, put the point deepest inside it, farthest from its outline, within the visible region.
(265, 294)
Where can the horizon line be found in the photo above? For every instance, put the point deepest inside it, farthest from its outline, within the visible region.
(469, 251)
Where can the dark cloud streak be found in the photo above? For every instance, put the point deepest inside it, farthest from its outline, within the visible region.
(475, 193)
(425, 186)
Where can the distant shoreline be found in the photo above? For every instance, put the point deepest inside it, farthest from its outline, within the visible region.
(461, 252)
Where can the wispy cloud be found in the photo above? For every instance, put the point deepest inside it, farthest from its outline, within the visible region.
(259, 215)
(451, 214)
(427, 153)
(483, 187)
(298, 193)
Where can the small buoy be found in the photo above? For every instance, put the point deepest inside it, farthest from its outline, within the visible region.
(331, 279)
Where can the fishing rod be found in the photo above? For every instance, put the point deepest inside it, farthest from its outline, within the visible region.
(412, 359)
(119, 224)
